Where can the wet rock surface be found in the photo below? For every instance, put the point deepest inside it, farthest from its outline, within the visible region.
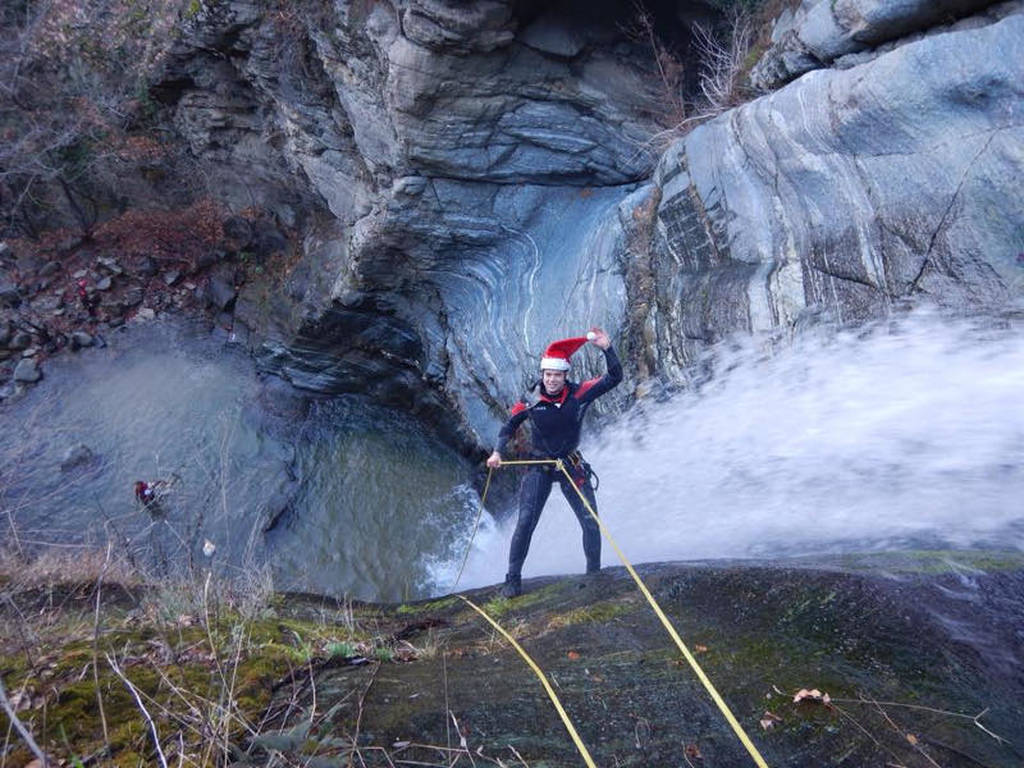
(444, 153)
(848, 194)
(469, 182)
(909, 648)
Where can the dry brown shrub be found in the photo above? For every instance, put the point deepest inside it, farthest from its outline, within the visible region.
(727, 53)
(72, 88)
(166, 235)
(62, 565)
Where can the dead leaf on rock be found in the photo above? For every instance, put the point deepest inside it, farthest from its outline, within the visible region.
(803, 693)
(912, 739)
(21, 701)
(813, 695)
(769, 719)
(693, 751)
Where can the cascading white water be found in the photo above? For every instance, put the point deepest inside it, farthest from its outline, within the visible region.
(903, 434)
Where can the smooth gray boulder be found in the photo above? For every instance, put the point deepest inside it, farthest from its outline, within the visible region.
(49, 268)
(27, 371)
(460, 27)
(10, 295)
(19, 340)
(219, 293)
(76, 457)
(81, 339)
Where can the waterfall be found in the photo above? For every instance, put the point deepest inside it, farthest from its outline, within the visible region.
(903, 434)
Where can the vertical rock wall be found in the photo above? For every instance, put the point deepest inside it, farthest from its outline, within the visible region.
(850, 192)
(457, 168)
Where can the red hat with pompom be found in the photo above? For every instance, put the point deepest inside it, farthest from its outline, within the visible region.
(556, 356)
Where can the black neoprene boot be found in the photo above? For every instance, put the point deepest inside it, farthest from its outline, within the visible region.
(513, 586)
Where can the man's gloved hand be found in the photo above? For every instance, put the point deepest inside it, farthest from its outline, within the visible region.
(599, 337)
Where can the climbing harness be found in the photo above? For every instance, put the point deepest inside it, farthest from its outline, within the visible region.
(560, 466)
(582, 471)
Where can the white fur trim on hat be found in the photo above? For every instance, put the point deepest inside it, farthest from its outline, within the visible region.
(554, 364)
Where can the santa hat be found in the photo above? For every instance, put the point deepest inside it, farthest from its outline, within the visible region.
(556, 356)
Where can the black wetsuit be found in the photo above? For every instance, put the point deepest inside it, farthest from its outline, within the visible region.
(556, 433)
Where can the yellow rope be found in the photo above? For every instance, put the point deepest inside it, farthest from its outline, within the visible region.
(518, 462)
(544, 681)
(476, 525)
(719, 701)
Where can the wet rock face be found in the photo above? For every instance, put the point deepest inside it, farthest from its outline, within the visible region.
(356, 97)
(849, 191)
(421, 145)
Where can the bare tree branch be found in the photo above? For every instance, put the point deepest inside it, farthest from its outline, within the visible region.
(142, 708)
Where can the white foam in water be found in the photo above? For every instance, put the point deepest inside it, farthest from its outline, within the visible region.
(899, 436)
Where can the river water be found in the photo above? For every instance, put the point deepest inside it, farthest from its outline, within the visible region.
(335, 496)
(906, 434)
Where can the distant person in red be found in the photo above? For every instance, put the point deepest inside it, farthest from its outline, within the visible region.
(151, 494)
(88, 301)
(144, 492)
(556, 418)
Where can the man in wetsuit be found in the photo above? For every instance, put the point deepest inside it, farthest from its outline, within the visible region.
(556, 419)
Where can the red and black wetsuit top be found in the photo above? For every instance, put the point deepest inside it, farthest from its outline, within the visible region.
(557, 421)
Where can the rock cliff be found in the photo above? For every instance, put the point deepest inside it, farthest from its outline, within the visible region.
(474, 180)
(849, 191)
(450, 164)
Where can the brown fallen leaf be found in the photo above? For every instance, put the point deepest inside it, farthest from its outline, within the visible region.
(572, 655)
(21, 701)
(813, 695)
(700, 648)
(693, 751)
(803, 693)
(912, 739)
(769, 719)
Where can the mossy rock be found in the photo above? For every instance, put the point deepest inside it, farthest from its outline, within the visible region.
(904, 650)
(904, 647)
